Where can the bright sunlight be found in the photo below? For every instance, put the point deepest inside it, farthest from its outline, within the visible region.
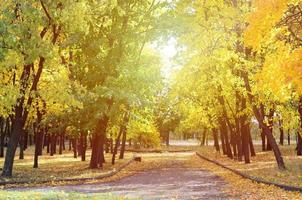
(151, 99)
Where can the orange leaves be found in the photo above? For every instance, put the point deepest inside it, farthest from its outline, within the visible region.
(293, 69)
(261, 22)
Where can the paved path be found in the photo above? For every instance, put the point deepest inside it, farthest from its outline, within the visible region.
(168, 183)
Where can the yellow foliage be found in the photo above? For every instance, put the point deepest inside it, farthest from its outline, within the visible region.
(261, 22)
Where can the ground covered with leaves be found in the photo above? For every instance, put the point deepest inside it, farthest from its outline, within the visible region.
(59, 167)
(236, 187)
(263, 165)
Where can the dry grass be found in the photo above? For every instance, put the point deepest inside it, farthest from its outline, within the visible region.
(263, 165)
(58, 166)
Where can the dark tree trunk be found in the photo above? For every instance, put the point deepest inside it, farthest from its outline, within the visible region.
(80, 146)
(48, 143)
(69, 142)
(260, 119)
(281, 132)
(74, 147)
(252, 149)
(36, 156)
(95, 144)
(203, 139)
(30, 140)
(17, 127)
(245, 133)
(84, 146)
(25, 139)
(97, 153)
(4, 131)
(124, 138)
(263, 140)
(61, 144)
(122, 132)
(299, 145)
(233, 143)
(167, 138)
(21, 145)
(129, 142)
(107, 145)
(111, 145)
(117, 143)
(271, 123)
(102, 156)
(53, 144)
(216, 142)
(223, 142)
(40, 141)
(63, 141)
(288, 137)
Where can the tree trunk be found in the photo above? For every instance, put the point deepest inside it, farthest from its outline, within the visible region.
(97, 142)
(61, 144)
(84, 146)
(251, 145)
(124, 138)
(102, 156)
(299, 145)
(69, 142)
(223, 142)
(263, 140)
(4, 131)
(107, 142)
(216, 142)
(25, 138)
(21, 146)
(260, 119)
(288, 137)
(74, 147)
(167, 138)
(203, 139)
(63, 141)
(30, 140)
(36, 156)
(111, 145)
(48, 143)
(245, 134)
(281, 132)
(17, 126)
(117, 143)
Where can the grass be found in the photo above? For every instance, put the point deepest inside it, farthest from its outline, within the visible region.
(28, 195)
(58, 167)
(263, 165)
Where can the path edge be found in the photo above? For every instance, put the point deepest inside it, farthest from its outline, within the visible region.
(253, 178)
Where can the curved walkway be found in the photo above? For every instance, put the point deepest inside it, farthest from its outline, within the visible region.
(167, 183)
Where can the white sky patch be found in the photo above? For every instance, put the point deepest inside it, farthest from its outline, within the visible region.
(168, 51)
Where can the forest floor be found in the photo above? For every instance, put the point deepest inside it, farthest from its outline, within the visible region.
(176, 171)
(263, 165)
(59, 166)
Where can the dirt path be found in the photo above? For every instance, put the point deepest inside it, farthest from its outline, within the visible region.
(175, 181)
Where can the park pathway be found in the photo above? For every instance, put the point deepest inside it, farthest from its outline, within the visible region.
(174, 182)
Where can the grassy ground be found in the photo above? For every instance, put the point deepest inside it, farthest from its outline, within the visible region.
(263, 165)
(12, 195)
(58, 166)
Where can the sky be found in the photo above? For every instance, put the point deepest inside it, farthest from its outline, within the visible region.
(167, 52)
